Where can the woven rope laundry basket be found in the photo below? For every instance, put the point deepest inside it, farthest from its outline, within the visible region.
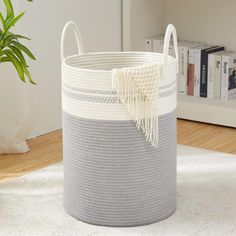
(112, 175)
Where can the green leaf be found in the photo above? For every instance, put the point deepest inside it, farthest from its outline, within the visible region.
(7, 39)
(24, 49)
(26, 71)
(8, 20)
(2, 20)
(10, 11)
(11, 36)
(4, 59)
(16, 63)
(11, 50)
(18, 54)
(13, 21)
(1, 34)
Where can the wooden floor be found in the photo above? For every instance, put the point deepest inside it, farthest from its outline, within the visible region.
(212, 137)
(44, 150)
(47, 149)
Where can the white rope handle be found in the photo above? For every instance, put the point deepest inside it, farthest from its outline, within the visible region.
(71, 25)
(170, 30)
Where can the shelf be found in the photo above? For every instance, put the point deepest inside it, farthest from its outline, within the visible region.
(145, 19)
(207, 110)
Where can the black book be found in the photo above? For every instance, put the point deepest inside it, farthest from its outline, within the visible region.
(204, 68)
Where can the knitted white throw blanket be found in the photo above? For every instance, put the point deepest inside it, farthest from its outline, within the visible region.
(137, 88)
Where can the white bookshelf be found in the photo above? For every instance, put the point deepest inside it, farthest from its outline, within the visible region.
(206, 21)
(207, 110)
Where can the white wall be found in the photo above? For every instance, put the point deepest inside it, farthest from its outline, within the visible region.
(145, 19)
(100, 25)
(211, 21)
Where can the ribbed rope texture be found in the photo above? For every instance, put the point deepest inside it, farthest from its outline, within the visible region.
(113, 176)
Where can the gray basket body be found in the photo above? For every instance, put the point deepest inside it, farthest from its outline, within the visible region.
(113, 176)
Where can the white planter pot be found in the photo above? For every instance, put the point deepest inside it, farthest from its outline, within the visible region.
(14, 111)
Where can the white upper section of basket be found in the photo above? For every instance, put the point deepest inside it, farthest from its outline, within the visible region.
(137, 86)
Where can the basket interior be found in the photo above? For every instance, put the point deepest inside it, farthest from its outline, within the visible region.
(110, 60)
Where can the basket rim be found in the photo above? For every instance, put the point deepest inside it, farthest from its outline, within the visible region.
(171, 59)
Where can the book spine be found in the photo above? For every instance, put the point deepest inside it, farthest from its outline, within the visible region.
(203, 74)
(211, 75)
(197, 64)
(217, 77)
(232, 78)
(204, 67)
(191, 72)
(224, 78)
(183, 71)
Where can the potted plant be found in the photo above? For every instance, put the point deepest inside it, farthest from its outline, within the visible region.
(11, 50)
(14, 95)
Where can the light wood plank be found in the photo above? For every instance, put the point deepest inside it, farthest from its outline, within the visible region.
(201, 135)
(44, 150)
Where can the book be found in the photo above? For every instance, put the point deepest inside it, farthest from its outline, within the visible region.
(228, 80)
(204, 68)
(158, 45)
(190, 79)
(183, 50)
(214, 75)
(197, 67)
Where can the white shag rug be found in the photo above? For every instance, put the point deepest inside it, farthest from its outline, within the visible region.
(32, 204)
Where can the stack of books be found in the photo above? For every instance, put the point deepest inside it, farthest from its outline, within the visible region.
(204, 70)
